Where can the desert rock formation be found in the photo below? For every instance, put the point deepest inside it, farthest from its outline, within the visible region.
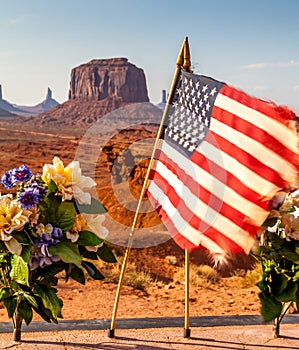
(115, 77)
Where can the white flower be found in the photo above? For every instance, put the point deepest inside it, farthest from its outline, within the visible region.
(88, 222)
(94, 224)
(69, 180)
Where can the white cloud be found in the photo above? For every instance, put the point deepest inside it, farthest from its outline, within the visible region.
(296, 88)
(288, 64)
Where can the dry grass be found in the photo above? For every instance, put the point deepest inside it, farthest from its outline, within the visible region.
(132, 277)
(201, 275)
(252, 277)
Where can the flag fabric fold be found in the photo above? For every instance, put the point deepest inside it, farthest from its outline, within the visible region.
(222, 157)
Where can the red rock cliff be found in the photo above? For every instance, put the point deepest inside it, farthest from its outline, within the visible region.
(102, 78)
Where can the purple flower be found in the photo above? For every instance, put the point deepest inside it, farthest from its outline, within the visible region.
(22, 174)
(39, 190)
(40, 255)
(13, 176)
(7, 179)
(48, 235)
(32, 195)
(28, 199)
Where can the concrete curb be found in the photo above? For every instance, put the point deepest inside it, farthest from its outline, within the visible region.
(143, 323)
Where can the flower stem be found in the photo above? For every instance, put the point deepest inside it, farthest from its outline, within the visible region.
(17, 326)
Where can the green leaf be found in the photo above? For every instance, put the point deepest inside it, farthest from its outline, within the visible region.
(95, 207)
(22, 237)
(25, 311)
(106, 254)
(50, 299)
(77, 275)
(276, 241)
(52, 270)
(296, 277)
(278, 282)
(263, 286)
(10, 304)
(87, 238)
(52, 188)
(289, 293)
(4, 293)
(65, 216)
(26, 252)
(44, 312)
(92, 270)
(48, 208)
(270, 222)
(68, 252)
(87, 254)
(271, 308)
(19, 270)
(288, 252)
(31, 299)
(49, 281)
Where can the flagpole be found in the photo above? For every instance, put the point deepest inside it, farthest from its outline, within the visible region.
(187, 331)
(183, 60)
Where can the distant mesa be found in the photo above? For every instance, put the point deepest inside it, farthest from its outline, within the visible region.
(97, 88)
(113, 78)
(13, 109)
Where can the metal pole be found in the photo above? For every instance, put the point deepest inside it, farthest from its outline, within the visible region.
(182, 61)
(187, 331)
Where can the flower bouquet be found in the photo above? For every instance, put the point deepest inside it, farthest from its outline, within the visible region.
(278, 254)
(49, 223)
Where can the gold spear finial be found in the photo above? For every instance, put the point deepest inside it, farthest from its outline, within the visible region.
(184, 60)
(187, 58)
(180, 59)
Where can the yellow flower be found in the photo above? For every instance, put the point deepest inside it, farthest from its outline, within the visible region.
(69, 180)
(12, 218)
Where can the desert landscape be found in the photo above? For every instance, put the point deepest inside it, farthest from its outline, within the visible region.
(225, 292)
(109, 126)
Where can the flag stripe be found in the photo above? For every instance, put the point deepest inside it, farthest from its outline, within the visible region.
(209, 198)
(252, 182)
(213, 185)
(253, 130)
(190, 207)
(257, 150)
(262, 114)
(221, 209)
(173, 218)
(176, 223)
(247, 160)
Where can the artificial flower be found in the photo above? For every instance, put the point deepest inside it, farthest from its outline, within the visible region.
(291, 226)
(88, 222)
(69, 180)
(12, 219)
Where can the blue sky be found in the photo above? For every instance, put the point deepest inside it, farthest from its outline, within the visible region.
(252, 45)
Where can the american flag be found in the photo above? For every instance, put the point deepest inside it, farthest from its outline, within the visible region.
(222, 158)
